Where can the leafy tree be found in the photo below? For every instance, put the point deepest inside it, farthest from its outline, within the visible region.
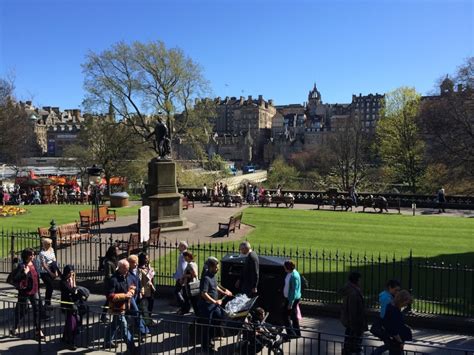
(216, 163)
(398, 138)
(281, 173)
(140, 81)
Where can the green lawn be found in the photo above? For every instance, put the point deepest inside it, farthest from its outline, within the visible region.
(41, 215)
(426, 236)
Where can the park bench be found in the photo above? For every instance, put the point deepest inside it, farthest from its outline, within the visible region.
(43, 232)
(234, 221)
(89, 219)
(154, 238)
(187, 203)
(70, 233)
(132, 246)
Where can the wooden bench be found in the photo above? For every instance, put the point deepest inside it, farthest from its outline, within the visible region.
(43, 232)
(154, 240)
(234, 221)
(70, 233)
(187, 203)
(132, 246)
(89, 219)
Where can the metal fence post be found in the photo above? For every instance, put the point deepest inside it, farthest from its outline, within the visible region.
(410, 277)
(319, 343)
(12, 248)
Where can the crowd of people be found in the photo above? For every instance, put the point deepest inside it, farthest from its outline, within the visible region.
(129, 292)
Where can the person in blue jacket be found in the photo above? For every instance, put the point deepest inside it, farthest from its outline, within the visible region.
(292, 293)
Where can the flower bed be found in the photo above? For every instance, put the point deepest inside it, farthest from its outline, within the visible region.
(8, 211)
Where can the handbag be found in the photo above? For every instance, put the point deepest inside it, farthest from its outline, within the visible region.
(377, 329)
(192, 288)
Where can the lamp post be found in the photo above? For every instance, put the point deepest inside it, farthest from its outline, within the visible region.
(95, 177)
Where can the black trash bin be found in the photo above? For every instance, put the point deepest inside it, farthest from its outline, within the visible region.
(270, 286)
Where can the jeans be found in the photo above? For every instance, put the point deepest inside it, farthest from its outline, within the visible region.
(146, 306)
(48, 282)
(352, 341)
(292, 323)
(120, 321)
(139, 322)
(214, 313)
(178, 288)
(22, 307)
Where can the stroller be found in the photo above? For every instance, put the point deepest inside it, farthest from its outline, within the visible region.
(254, 334)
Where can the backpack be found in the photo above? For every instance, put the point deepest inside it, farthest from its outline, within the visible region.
(81, 293)
(21, 282)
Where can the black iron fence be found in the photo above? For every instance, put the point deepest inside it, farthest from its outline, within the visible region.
(182, 335)
(394, 200)
(442, 287)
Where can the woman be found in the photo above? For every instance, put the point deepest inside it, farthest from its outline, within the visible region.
(394, 323)
(147, 275)
(27, 278)
(48, 268)
(68, 297)
(189, 275)
(292, 293)
(109, 267)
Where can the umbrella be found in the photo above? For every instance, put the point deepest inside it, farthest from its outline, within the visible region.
(31, 182)
(45, 181)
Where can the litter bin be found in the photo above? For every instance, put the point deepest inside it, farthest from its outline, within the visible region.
(270, 286)
(119, 199)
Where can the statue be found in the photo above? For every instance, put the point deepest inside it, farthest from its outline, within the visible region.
(162, 140)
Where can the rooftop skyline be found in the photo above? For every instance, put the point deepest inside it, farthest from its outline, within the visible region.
(245, 48)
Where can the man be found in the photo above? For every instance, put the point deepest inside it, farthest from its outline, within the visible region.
(204, 193)
(119, 294)
(178, 275)
(209, 304)
(353, 314)
(249, 276)
(441, 200)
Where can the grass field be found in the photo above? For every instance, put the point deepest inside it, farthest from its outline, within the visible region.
(426, 236)
(41, 215)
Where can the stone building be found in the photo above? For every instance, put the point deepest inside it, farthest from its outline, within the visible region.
(54, 129)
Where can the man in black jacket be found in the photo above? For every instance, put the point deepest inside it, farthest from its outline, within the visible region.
(249, 276)
(353, 314)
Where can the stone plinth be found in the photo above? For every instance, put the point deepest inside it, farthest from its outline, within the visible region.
(163, 198)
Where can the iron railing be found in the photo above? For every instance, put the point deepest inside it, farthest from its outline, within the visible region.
(184, 335)
(441, 287)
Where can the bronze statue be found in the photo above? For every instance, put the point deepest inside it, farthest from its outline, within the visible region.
(162, 140)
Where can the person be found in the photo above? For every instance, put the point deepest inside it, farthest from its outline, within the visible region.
(2, 201)
(292, 294)
(147, 275)
(353, 194)
(36, 197)
(68, 297)
(209, 303)
(441, 200)
(353, 314)
(394, 323)
(119, 294)
(178, 275)
(385, 298)
(204, 193)
(28, 290)
(278, 190)
(109, 266)
(189, 275)
(135, 301)
(48, 268)
(249, 276)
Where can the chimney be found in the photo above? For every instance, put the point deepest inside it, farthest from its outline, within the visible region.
(77, 114)
(270, 102)
(250, 98)
(241, 101)
(47, 108)
(56, 110)
(28, 103)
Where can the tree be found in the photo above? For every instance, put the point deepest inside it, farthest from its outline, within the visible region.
(398, 138)
(142, 80)
(17, 138)
(348, 150)
(447, 122)
(110, 145)
(280, 173)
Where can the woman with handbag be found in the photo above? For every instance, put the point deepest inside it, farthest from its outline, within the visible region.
(394, 323)
(68, 299)
(292, 293)
(48, 268)
(189, 277)
(27, 280)
(147, 275)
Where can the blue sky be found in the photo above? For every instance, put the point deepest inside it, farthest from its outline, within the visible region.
(274, 48)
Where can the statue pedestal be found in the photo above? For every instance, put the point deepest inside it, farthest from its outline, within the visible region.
(166, 210)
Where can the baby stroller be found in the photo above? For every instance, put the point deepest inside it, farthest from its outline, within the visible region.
(253, 333)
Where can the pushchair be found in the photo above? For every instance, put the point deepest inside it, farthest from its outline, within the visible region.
(253, 333)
